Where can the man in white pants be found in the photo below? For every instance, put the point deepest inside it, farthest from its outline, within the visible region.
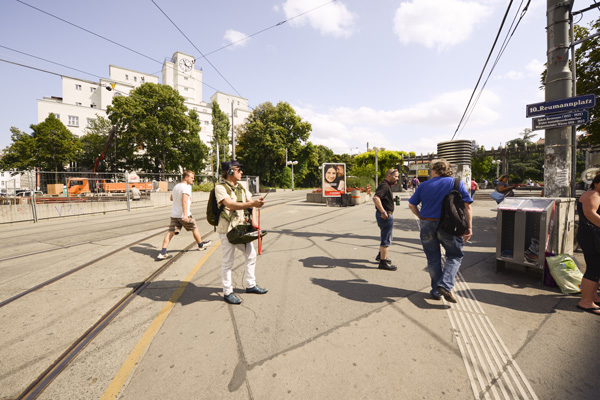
(236, 200)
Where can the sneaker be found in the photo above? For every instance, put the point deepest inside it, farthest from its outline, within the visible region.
(256, 290)
(162, 256)
(447, 294)
(204, 245)
(387, 265)
(232, 298)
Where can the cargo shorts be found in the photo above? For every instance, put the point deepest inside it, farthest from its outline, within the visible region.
(178, 223)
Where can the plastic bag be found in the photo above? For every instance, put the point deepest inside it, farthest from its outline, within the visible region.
(566, 273)
(497, 196)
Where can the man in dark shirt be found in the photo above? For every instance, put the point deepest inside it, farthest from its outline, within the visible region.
(384, 204)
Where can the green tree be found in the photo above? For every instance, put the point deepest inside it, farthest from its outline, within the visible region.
(50, 147)
(587, 65)
(525, 165)
(93, 142)
(264, 138)
(587, 58)
(156, 132)
(221, 128)
(19, 154)
(386, 159)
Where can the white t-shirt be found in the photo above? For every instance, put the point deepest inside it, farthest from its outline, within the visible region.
(237, 215)
(178, 191)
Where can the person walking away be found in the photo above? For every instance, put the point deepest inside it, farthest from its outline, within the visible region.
(181, 215)
(384, 209)
(474, 187)
(588, 208)
(235, 201)
(430, 196)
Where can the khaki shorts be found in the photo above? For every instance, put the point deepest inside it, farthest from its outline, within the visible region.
(177, 223)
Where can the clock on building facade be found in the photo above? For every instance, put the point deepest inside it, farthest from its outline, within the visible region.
(186, 65)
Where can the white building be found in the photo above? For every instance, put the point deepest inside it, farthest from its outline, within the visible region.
(83, 100)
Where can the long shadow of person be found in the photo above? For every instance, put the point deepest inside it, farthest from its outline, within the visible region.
(328, 262)
(164, 291)
(361, 290)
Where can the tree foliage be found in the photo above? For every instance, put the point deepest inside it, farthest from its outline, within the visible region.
(588, 74)
(93, 142)
(587, 65)
(386, 159)
(51, 147)
(221, 128)
(155, 131)
(264, 138)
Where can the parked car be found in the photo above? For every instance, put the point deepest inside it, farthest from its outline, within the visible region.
(28, 193)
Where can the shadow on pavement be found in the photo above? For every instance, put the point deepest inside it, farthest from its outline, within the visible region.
(163, 291)
(327, 262)
(361, 290)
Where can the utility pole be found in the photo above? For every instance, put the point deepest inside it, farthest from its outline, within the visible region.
(232, 135)
(558, 156)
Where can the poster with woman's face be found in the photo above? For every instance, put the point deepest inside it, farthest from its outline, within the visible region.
(334, 179)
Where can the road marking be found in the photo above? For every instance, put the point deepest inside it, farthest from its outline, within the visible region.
(123, 375)
(492, 371)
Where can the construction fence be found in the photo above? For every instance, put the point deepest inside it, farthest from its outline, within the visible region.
(35, 195)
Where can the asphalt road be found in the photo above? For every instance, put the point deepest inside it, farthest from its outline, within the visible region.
(332, 325)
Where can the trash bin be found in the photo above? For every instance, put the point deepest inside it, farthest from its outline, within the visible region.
(524, 231)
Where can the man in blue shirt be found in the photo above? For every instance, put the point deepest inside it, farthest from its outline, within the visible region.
(430, 195)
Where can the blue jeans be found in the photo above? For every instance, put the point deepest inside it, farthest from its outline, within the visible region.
(386, 226)
(431, 239)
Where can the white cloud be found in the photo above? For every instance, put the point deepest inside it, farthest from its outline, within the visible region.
(535, 67)
(332, 19)
(344, 128)
(235, 38)
(511, 75)
(438, 23)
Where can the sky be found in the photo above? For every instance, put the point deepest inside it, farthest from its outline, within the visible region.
(393, 74)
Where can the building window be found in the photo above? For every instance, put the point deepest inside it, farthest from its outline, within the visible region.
(142, 79)
(135, 78)
(90, 121)
(185, 78)
(126, 77)
(93, 105)
(77, 87)
(205, 122)
(186, 89)
(93, 89)
(73, 120)
(56, 115)
(77, 103)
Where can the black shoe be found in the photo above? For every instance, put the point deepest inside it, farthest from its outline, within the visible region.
(257, 290)
(232, 298)
(378, 258)
(387, 265)
(447, 294)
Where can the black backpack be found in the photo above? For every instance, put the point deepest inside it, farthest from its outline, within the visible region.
(454, 216)
(213, 209)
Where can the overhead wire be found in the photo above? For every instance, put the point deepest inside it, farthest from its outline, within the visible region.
(484, 66)
(104, 38)
(508, 37)
(197, 49)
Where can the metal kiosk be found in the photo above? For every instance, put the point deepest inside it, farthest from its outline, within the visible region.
(524, 229)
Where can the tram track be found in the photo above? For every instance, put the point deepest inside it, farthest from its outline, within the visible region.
(82, 266)
(47, 376)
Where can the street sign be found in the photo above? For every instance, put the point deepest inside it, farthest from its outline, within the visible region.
(561, 106)
(561, 120)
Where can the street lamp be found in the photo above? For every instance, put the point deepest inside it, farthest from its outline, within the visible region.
(292, 163)
(497, 162)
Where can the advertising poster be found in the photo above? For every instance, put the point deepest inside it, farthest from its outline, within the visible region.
(334, 179)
